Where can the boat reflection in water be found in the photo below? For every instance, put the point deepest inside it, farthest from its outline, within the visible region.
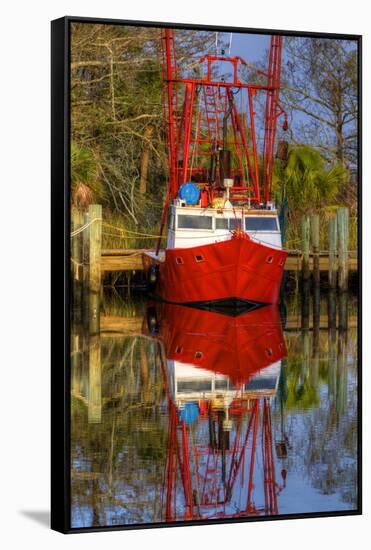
(220, 373)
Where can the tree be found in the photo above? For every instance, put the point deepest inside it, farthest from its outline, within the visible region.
(308, 183)
(117, 113)
(320, 92)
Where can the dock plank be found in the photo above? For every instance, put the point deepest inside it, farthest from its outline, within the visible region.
(132, 260)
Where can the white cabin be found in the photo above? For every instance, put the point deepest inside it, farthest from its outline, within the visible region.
(194, 226)
(190, 383)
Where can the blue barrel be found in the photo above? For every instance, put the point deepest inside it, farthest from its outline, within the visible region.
(190, 413)
(190, 193)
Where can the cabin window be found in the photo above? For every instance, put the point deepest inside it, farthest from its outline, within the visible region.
(222, 223)
(262, 383)
(193, 385)
(228, 223)
(235, 223)
(179, 260)
(260, 223)
(221, 384)
(199, 258)
(269, 259)
(198, 355)
(224, 384)
(195, 222)
(178, 349)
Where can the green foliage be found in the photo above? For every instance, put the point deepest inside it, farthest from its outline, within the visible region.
(308, 183)
(83, 165)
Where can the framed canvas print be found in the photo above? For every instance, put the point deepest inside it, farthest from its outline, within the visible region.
(205, 274)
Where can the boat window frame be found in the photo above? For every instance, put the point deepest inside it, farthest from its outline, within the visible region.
(189, 229)
(277, 230)
(228, 220)
(198, 380)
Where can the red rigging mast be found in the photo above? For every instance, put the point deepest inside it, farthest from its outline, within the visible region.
(209, 138)
(205, 480)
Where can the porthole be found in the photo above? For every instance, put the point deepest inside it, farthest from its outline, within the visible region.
(179, 260)
(199, 258)
(198, 355)
(269, 259)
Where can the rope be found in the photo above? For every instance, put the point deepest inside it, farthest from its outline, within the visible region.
(83, 227)
(137, 233)
(140, 236)
(149, 235)
(293, 241)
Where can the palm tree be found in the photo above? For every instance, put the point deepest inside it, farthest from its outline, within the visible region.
(84, 179)
(308, 183)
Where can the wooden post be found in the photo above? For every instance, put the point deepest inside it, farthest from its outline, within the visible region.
(343, 311)
(95, 381)
(95, 252)
(332, 367)
(341, 375)
(77, 265)
(314, 371)
(76, 244)
(95, 215)
(314, 228)
(305, 239)
(332, 246)
(316, 316)
(85, 273)
(342, 215)
(331, 309)
(305, 305)
(75, 364)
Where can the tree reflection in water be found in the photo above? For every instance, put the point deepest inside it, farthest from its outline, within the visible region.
(195, 414)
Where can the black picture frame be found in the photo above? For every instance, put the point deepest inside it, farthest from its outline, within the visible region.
(60, 272)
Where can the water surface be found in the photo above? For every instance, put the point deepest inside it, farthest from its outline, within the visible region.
(181, 414)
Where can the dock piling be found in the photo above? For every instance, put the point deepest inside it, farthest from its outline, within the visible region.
(95, 381)
(332, 259)
(85, 270)
(77, 264)
(305, 239)
(342, 216)
(314, 229)
(95, 252)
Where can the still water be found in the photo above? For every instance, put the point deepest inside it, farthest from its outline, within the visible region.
(181, 414)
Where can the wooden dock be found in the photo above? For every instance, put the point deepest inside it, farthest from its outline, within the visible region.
(132, 260)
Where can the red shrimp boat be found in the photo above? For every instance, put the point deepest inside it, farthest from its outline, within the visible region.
(224, 239)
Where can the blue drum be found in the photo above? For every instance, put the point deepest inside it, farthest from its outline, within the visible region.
(189, 193)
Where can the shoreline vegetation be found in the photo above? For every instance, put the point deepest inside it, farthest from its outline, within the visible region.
(118, 153)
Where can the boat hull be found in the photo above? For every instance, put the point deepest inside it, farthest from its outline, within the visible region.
(237, 347)
(239, 269)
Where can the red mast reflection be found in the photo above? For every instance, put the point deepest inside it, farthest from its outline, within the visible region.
(220, 374)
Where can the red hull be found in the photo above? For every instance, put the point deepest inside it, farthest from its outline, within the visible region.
(239, 268)
(237, 347)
